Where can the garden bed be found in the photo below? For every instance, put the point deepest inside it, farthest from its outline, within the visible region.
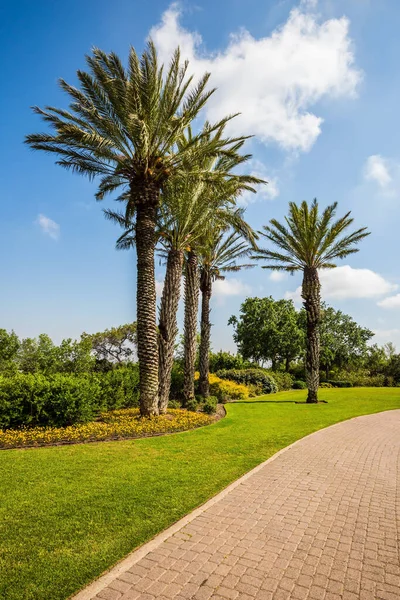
(112, 425)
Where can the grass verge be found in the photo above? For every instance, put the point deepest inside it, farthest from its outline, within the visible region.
(67, 513)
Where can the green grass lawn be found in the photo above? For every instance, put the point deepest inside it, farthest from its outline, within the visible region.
(68, 513)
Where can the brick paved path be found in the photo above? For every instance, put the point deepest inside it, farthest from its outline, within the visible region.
(322, 520)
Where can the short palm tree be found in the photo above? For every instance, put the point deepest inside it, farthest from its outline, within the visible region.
(218, 255)
(310, 241)
(123, 125)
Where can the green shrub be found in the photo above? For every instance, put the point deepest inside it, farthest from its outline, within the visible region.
(325, 384)
(210, 405)
(174, 404)
(361, 378)
(254, 377)
(192, 405)
(120, 387)
(340, 384)
(33, 399)
(283, 380)
(299, 385)
(64, 399)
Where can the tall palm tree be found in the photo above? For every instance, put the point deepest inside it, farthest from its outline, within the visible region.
(218, 255)
(310, 241)
(188, 204)
(123, 125)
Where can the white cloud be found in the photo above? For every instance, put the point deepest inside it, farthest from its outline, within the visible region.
(383, 336)
(268, 191)
(274, 81)
(390, 302)
(48, 226)
(278, 276)
(345, 282)
(377, 169)
(230, 287)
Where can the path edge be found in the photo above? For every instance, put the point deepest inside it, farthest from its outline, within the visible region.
(90, 591)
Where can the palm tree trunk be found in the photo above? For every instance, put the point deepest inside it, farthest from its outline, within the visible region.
(147, 346)
(205, 329)
(168, 326)
(190, 324)
(312, 303)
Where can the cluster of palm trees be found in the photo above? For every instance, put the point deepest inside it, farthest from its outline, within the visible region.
(133, 128)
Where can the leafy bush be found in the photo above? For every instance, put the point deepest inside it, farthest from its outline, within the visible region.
(226, 390)
(192, 405)
(362, 378)
(28, 399)
(299, 385)
(65, 399)
(325, 384)
(256, 377)
(340, 384)
(210, 405)
(226, 360)
(120, 387)
(174, 404)
(283, 380)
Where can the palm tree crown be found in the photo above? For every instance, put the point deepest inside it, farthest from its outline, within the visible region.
(309, 239)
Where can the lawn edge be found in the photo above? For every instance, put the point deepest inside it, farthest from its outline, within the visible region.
(90, 591)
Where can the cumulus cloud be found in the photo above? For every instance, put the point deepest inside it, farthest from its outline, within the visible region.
(278, 276)
(230, 287)
(345, 282)
(377, 169)
(274, 81)
(390, 302)
(48, 226)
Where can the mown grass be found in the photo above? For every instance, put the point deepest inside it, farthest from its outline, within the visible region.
(68, 513)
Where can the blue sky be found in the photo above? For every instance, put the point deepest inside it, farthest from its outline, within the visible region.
(317, 82)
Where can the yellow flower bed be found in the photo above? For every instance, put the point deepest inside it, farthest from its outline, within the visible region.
(225, 388)
(124, 423)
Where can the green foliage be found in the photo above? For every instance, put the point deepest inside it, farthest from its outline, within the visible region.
(34, 399)
(120, 387)
(268, 330)
(113, 345)
(174, 404)
(210, 405)
(283, 380)
(340, 384)
(177, 376)
(63, 399)
(227, 360)
(299, 385)
(192, 405)
(309, 238)
(326, 385)
(343, 341)
(361, 378)
(256, 377)
(9, 346)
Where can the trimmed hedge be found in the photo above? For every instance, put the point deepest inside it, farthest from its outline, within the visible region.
(339, 384)
(62, 399)
(299, 385)
(264, 383)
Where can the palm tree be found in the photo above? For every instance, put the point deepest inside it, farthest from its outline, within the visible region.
(217, 256)
(310, 241)
(123, 125)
